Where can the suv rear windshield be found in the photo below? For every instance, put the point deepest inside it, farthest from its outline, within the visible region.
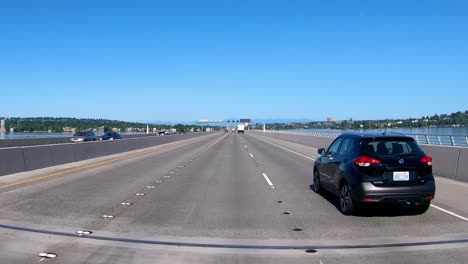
(80, 134)
(389, 147)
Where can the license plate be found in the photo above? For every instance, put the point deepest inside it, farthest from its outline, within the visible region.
(401, 175)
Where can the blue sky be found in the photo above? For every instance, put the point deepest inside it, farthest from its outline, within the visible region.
(188, 60)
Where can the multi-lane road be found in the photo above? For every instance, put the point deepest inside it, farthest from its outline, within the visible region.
(220, 198)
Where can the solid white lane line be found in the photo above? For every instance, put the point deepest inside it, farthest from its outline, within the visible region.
(450, 213)
(268, 180)
(292, 151)
(251, 155)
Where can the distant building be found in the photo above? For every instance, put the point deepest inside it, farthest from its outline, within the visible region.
(329, 120)
(115, 129)
(13, 129)
(68, 129)
(2, 126)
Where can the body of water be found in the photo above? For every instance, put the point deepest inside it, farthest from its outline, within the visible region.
(21, 135)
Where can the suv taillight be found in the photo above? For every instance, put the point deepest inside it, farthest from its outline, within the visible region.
(427, 160)
(365, 161)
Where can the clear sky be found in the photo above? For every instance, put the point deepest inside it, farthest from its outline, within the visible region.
(188, 60)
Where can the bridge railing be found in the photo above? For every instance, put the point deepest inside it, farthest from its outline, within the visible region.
(427, 139)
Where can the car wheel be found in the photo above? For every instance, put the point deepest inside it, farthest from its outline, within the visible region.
(347, 205)
(420, 207)
(316, 183)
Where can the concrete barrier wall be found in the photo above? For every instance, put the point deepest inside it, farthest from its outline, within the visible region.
(11, 160)
(5, 143)
(448, 162)
(62, 153)
(18, 159)
(462, 170)
(37, 157)
(445, 160)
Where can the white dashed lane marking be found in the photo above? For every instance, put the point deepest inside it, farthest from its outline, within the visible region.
(292, 151)
(268, 180)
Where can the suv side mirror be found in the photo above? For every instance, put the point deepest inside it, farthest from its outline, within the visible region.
(321, 151)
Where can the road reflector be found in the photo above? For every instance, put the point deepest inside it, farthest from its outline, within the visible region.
(44, 255)
(84, 232)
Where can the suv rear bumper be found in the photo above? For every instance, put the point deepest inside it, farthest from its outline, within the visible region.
(367, 192)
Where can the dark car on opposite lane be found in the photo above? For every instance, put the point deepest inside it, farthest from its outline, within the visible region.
(375, 168)
(111, 136)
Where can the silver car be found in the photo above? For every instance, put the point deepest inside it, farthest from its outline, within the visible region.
(83, 136)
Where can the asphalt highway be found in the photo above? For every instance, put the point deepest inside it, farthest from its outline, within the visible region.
(220, 198)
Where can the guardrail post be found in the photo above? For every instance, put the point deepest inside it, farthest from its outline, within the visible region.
(466, 139)
(438, 138)
(427, 140)
(417, 139)
(452, 140)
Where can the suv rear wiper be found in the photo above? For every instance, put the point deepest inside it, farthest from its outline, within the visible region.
(406, 154)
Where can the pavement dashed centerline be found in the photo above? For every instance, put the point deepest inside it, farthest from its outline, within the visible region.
(150, 187)
(296, 227)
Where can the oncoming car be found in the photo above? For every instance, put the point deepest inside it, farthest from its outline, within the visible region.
(83, 136)
(375, 168)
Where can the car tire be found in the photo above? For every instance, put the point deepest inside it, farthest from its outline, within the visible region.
(316, 182)
(420, 208)
(347, 204)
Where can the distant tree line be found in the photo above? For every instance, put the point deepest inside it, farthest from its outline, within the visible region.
(56, 124)
(459, 119)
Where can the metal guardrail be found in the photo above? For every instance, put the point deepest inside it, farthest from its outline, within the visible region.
(427, 139)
